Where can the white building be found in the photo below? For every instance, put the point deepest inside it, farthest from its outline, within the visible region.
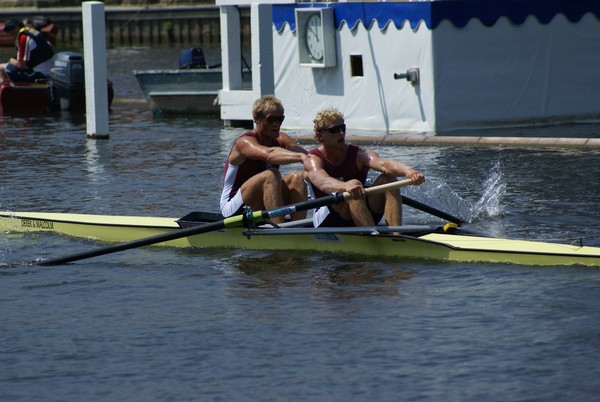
(462, 63)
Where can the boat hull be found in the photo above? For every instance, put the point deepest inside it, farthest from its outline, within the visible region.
(185, 103)
(23, 99)
(37, 99)
(434, 246)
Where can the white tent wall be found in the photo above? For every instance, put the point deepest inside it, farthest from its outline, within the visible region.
(516, 74)
(374, 101)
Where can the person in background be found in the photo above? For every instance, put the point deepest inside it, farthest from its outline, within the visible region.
(34, 54)
(252, 178)
(339, 166)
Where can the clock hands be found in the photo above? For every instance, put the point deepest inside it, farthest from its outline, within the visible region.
(314, 32)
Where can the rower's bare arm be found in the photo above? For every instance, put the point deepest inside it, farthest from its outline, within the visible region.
(327, 184)
(249, 148)
(290, 144)
(391, 167)
(281, 156)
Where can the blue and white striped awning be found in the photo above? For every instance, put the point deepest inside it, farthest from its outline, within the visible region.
(431, 13)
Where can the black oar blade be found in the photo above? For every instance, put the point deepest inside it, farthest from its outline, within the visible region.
(430, 210)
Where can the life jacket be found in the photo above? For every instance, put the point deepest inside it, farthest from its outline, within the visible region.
(43, 50)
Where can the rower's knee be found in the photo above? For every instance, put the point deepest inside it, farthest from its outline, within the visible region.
(273, 174)
(295, 180)
(384, 179)
(271, 178)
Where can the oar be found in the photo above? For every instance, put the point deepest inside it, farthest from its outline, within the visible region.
(431, 210)
(231, 222)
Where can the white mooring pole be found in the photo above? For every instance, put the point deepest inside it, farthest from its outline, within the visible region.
(94, 52)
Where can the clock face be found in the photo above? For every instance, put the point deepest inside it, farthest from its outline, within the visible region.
(314, 37)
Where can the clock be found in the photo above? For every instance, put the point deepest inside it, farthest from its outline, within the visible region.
(314, 37)
(315, 33)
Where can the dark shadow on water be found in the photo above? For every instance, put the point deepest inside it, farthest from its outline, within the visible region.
(327, 276)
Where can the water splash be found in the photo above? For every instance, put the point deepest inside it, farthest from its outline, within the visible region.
(439, 195)
(494, 188)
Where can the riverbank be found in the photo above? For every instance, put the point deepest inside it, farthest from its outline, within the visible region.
(168, 25)
(45, 4)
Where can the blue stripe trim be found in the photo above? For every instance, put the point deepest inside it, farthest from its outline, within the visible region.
(458, 12)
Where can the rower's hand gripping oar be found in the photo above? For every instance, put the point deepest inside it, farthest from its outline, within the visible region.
(231, 222)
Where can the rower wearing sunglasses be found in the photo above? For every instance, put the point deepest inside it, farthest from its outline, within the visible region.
(336, 166)
(252, 178)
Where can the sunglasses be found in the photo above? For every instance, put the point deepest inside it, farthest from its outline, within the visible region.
(336, 129)
(275, 119)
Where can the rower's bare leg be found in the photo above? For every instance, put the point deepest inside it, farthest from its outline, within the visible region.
(393, 208)
(294, 191)
(356, 210)
(360, 213)
(263, 192)
(390, 202)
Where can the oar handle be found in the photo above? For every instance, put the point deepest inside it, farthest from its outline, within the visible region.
(384, 187)
(334, 198)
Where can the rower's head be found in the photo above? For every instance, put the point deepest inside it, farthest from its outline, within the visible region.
(268, 116)
(329, 121)
(267, 106)
(12, 25)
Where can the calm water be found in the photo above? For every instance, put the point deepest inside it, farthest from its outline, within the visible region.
(170, 325)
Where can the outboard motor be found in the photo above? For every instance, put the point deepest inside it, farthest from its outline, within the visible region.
(192, 58)
(67, 82)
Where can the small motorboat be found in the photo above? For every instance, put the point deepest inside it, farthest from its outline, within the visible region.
(191, 89)
(64, 90)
